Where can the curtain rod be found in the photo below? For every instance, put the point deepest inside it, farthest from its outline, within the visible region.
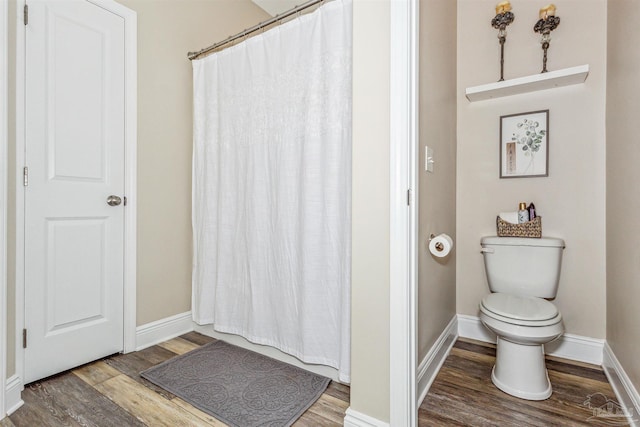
(279, 17)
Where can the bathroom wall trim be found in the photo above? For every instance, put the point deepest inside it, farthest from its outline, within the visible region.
(569, 346)
(624, 389)
(435, 357)
(13, 398)
(162, 330)
(403, 212)
(472, 327)
(4, 102)
(577, 347)
(267, 350)
(358, 419)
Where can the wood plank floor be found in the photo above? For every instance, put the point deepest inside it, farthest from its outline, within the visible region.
(463, 394)
(110, 392)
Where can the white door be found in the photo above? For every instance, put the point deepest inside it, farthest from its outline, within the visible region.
(74, 239)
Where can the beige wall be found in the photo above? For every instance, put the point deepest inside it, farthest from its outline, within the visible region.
(167, 29)
(370, 210)
(437, 82)
(623, 195)
(571, 200)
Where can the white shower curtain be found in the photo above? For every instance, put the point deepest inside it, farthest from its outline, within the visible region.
(272, 188)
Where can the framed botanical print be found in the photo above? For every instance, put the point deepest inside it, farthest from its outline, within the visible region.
(524, 145)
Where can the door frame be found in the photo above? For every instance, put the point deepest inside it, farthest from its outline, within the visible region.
(404, 204)
(130, 165)
(4, 136)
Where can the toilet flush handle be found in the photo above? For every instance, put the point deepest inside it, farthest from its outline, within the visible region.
(487, 250)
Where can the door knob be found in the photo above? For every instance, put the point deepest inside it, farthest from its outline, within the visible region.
(113, 200)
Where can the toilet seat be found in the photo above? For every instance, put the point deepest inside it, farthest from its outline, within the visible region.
(520, 310)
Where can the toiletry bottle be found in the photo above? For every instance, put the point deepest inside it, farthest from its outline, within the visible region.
(532, 211)
(523, 213)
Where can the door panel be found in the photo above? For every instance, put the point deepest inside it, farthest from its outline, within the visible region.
(76, 96)
(74, 241)
(75, 285)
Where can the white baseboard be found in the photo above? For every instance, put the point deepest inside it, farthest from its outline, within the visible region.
(432, 362)
(266, 350)
(162, 330)
(13, 399)
(472, 327)
(358, 419)
(577, 347)
(569, 346)
(627, 394)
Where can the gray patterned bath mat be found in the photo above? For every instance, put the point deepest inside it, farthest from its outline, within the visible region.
(239, 387)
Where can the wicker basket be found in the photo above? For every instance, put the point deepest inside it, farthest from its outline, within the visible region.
(532, 228)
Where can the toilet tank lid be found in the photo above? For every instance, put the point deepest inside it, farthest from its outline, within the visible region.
(553, 242)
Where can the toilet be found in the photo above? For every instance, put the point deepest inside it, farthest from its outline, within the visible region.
(522, 274)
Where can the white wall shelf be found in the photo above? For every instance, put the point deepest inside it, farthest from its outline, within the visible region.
(549, 80)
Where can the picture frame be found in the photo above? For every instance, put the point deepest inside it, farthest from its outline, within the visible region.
(524, 145)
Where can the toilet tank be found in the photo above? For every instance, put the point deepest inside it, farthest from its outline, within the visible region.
(523, 266)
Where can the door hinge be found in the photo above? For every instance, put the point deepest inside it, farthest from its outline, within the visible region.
(409, 197)
(26, 14)
(24, 338)
(25, 176)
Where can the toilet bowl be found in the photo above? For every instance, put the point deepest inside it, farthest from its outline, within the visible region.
(522, 324)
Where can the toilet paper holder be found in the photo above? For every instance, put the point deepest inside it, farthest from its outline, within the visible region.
(439, 246)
